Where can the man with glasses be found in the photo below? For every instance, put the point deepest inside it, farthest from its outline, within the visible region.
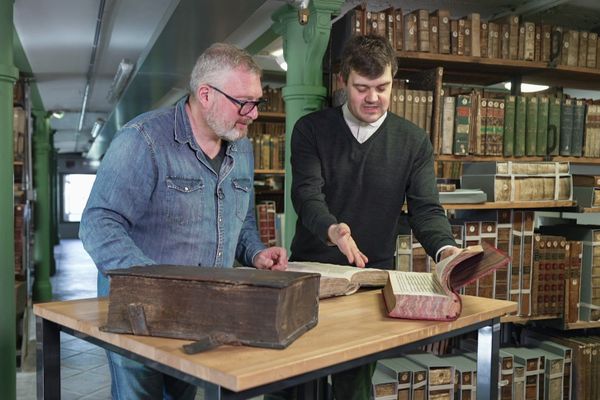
(176, 187)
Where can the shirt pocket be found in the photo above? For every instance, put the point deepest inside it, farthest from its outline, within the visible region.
(184, 199)
(241, 188)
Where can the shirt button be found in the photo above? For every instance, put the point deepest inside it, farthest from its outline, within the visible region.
(220, 219)
(187, 189)
(220, 254)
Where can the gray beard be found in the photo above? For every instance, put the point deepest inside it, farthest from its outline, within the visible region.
(219, 128)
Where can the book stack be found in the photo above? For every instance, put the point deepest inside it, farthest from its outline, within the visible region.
(265, 217)
(519, 181)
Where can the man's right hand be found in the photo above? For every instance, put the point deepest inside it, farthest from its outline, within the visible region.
(340, 235)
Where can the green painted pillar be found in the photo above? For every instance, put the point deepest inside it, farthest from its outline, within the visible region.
(8, 329)
(303, 48)
(43, 252)
(55, 191)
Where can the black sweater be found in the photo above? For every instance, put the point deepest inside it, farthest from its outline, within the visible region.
(336, 179)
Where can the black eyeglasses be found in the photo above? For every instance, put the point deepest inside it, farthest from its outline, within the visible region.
(246, 106)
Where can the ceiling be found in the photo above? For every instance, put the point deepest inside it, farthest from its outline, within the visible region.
(163, 37)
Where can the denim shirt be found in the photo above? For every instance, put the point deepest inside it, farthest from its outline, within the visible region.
(157, 200)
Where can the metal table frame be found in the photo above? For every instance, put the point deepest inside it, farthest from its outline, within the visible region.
(48, 363)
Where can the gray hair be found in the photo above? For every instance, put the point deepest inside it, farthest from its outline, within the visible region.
(217, 59)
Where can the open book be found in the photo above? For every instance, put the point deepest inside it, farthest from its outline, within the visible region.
(434, 295)
(339, 280)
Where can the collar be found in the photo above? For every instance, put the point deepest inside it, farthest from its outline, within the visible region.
(352, 121)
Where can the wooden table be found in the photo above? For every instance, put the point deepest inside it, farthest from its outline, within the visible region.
(352, 330)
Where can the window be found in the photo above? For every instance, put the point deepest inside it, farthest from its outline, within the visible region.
(76, 190)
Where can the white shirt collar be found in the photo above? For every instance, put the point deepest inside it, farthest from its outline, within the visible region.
(361, 130)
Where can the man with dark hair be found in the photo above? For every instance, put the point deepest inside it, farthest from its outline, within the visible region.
(353, 167)
(176, 187)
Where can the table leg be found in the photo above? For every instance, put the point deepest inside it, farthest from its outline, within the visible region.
(488, 346)
(48, 359)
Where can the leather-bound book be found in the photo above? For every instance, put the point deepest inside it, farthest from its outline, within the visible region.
(256, 307)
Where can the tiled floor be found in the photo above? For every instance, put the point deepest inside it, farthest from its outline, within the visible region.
(84, 371)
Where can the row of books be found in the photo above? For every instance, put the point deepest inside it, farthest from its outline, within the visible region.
(274, 97)
(508, 38)
(541, 369)
(413, 105)
(21, 211)
(19, 133)
(519, 181)
(550, 274)
(519, 126)
(270, 223)
(268, 143)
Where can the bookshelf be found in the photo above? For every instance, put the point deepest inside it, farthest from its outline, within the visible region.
(23, 211)
(511, 205)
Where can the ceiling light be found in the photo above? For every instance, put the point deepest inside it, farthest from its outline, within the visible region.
(96, 128)
(120, 80)
(527, 87)
(58, 114)
(278, 55)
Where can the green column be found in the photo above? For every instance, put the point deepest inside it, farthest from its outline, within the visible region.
(55, 191)
(8, 330)
(303, 48)
(43, 252)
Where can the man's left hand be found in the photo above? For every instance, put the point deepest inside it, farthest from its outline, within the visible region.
(271, 258)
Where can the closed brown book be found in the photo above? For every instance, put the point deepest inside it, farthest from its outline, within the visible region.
(582, 49)
(521, 46)
(475, 19)
(390, 26)
(422, 30)
(434, 296)
(529, 41)
(571, 41)
(454, 36)
(410, 32)
(504, 41)
(359, 21)
(546, 42)
(372, 22)
(398, 29)
(494, 40)
(592, 50)
(537, 55)
(460, 44)
(141, 302)
(444, 32)
(483, 39)
(586, 180)
(573, 283)
(434, 40)
(467, 40)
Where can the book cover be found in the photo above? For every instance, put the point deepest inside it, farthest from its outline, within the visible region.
(566, 128)
(509, 126)
(444, 34)
(340, 280)
(462, 124)
(578, 128)
(520, 126)
(434, 296)
(542, 127)
(531, 126)
(553, 134)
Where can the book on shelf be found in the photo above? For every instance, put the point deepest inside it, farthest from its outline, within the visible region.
(434, 295)
(384, 385)
(340, 280)
(402, 374)
(440, 375)
(586, 196)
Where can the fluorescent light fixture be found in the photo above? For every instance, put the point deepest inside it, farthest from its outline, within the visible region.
(527, 87)
(96, 128)
(278, 55)
(58, 114)
(120, 81)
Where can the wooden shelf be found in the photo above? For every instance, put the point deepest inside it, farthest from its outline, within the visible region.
(582, 325)
(589, 210)
(262, 115)
(573, 160)
(269, 171)
(488, 71)
(516, 319)
(511, 204)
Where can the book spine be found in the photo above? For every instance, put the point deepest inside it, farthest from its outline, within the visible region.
(462, 121)
(444, 30)
(531, 126)
(475, 19)
(578, 128)
(566, 128)
(520, 125)
(509, 126)
(553, 139)
(542, 127)
(448, 111)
